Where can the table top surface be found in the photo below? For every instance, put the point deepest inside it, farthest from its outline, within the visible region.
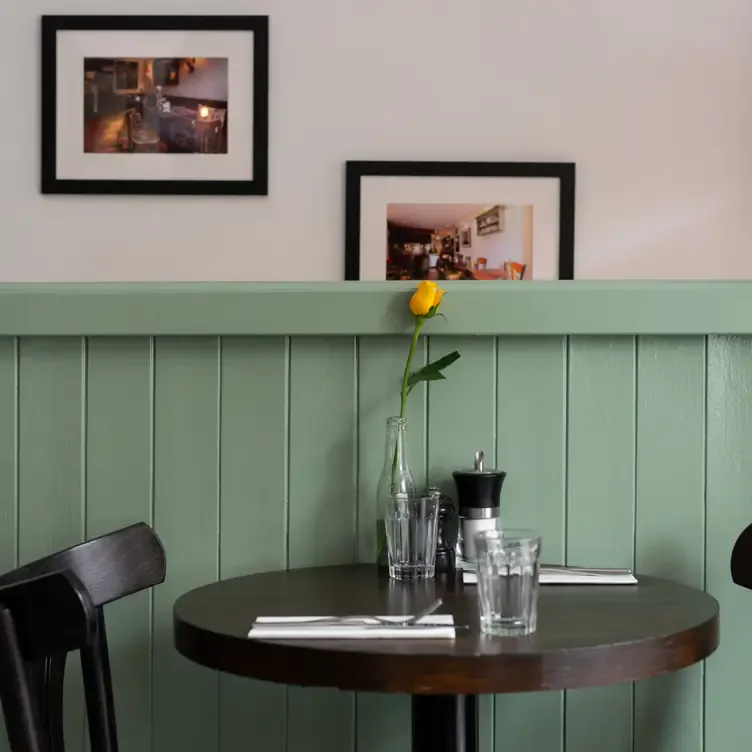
(587, 635)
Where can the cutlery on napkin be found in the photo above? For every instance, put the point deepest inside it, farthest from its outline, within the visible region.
(436, 626)
(561, 575)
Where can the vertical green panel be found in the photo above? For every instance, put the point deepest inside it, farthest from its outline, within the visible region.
(186, 449)
(51, 488)
(729, 511)
(119, 483)
(670, 527)
(51, 484)
(253, 515)
(600, 516)
(8, 506)
(323, 504)
(531, 415)
(461, 421)
(8, 501)
(381, 364)
(323, 451)
(461, 410)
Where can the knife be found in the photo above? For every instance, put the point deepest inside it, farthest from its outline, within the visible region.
(584, 570)
(354, 625)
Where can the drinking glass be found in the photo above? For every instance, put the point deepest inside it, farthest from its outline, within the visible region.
(411, 526)
(508, 568)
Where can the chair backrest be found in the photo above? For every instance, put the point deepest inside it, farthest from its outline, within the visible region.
(109, 568)
(514, 270)
(40, 619)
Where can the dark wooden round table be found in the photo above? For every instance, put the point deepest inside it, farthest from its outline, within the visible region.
(587, 636)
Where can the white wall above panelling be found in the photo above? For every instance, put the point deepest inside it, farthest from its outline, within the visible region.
(650, 98)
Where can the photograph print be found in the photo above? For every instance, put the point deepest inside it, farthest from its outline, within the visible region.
(155, 104)
(459, 221)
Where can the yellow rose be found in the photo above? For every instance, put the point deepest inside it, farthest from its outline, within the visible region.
(427, 296)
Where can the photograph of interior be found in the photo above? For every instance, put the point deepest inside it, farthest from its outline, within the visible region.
(156, 105)
(459, 241)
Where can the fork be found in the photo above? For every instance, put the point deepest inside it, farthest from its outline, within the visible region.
(359, 619)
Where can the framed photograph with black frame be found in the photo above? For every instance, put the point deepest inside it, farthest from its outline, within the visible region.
(155, 104)
(459, 220)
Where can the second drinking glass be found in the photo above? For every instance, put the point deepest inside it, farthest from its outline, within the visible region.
(508, 569)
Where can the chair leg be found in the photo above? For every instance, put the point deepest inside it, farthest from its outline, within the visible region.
(100, 705)
(21, 714)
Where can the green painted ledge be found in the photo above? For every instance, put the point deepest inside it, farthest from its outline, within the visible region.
(373, 308)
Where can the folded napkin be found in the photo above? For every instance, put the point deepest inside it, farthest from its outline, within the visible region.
(441, 626)
(563, 576)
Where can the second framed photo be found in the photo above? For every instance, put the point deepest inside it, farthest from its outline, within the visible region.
(155, 104)
(459, 220)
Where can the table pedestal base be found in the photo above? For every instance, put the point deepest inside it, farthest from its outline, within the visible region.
(445, 723)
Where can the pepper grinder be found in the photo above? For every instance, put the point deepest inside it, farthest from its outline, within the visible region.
(446, 536)
(479, 502)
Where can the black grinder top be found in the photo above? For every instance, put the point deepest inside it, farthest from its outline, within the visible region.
(478, 488)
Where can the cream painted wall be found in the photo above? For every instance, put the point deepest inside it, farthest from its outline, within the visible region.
(650, 98)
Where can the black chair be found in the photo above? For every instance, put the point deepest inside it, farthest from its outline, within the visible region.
(40, 619)
(110, 567)
(741, 559)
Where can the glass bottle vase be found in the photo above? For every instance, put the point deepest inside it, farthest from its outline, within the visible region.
(395, 480)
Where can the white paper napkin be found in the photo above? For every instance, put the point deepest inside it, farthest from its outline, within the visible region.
(262, 629)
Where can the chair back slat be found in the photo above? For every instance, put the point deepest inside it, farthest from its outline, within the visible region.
(100, 703)
(23, 717)
(41, 619)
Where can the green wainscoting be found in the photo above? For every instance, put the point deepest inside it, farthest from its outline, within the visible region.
(249, 453)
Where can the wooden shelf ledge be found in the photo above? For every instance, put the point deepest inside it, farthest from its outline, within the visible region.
(376, 308)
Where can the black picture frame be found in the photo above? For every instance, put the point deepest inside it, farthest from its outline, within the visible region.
(357, 170)
(255, 185)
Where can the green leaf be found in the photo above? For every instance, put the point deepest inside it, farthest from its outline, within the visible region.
(431, 371)
(442, 363)
(420, 376)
